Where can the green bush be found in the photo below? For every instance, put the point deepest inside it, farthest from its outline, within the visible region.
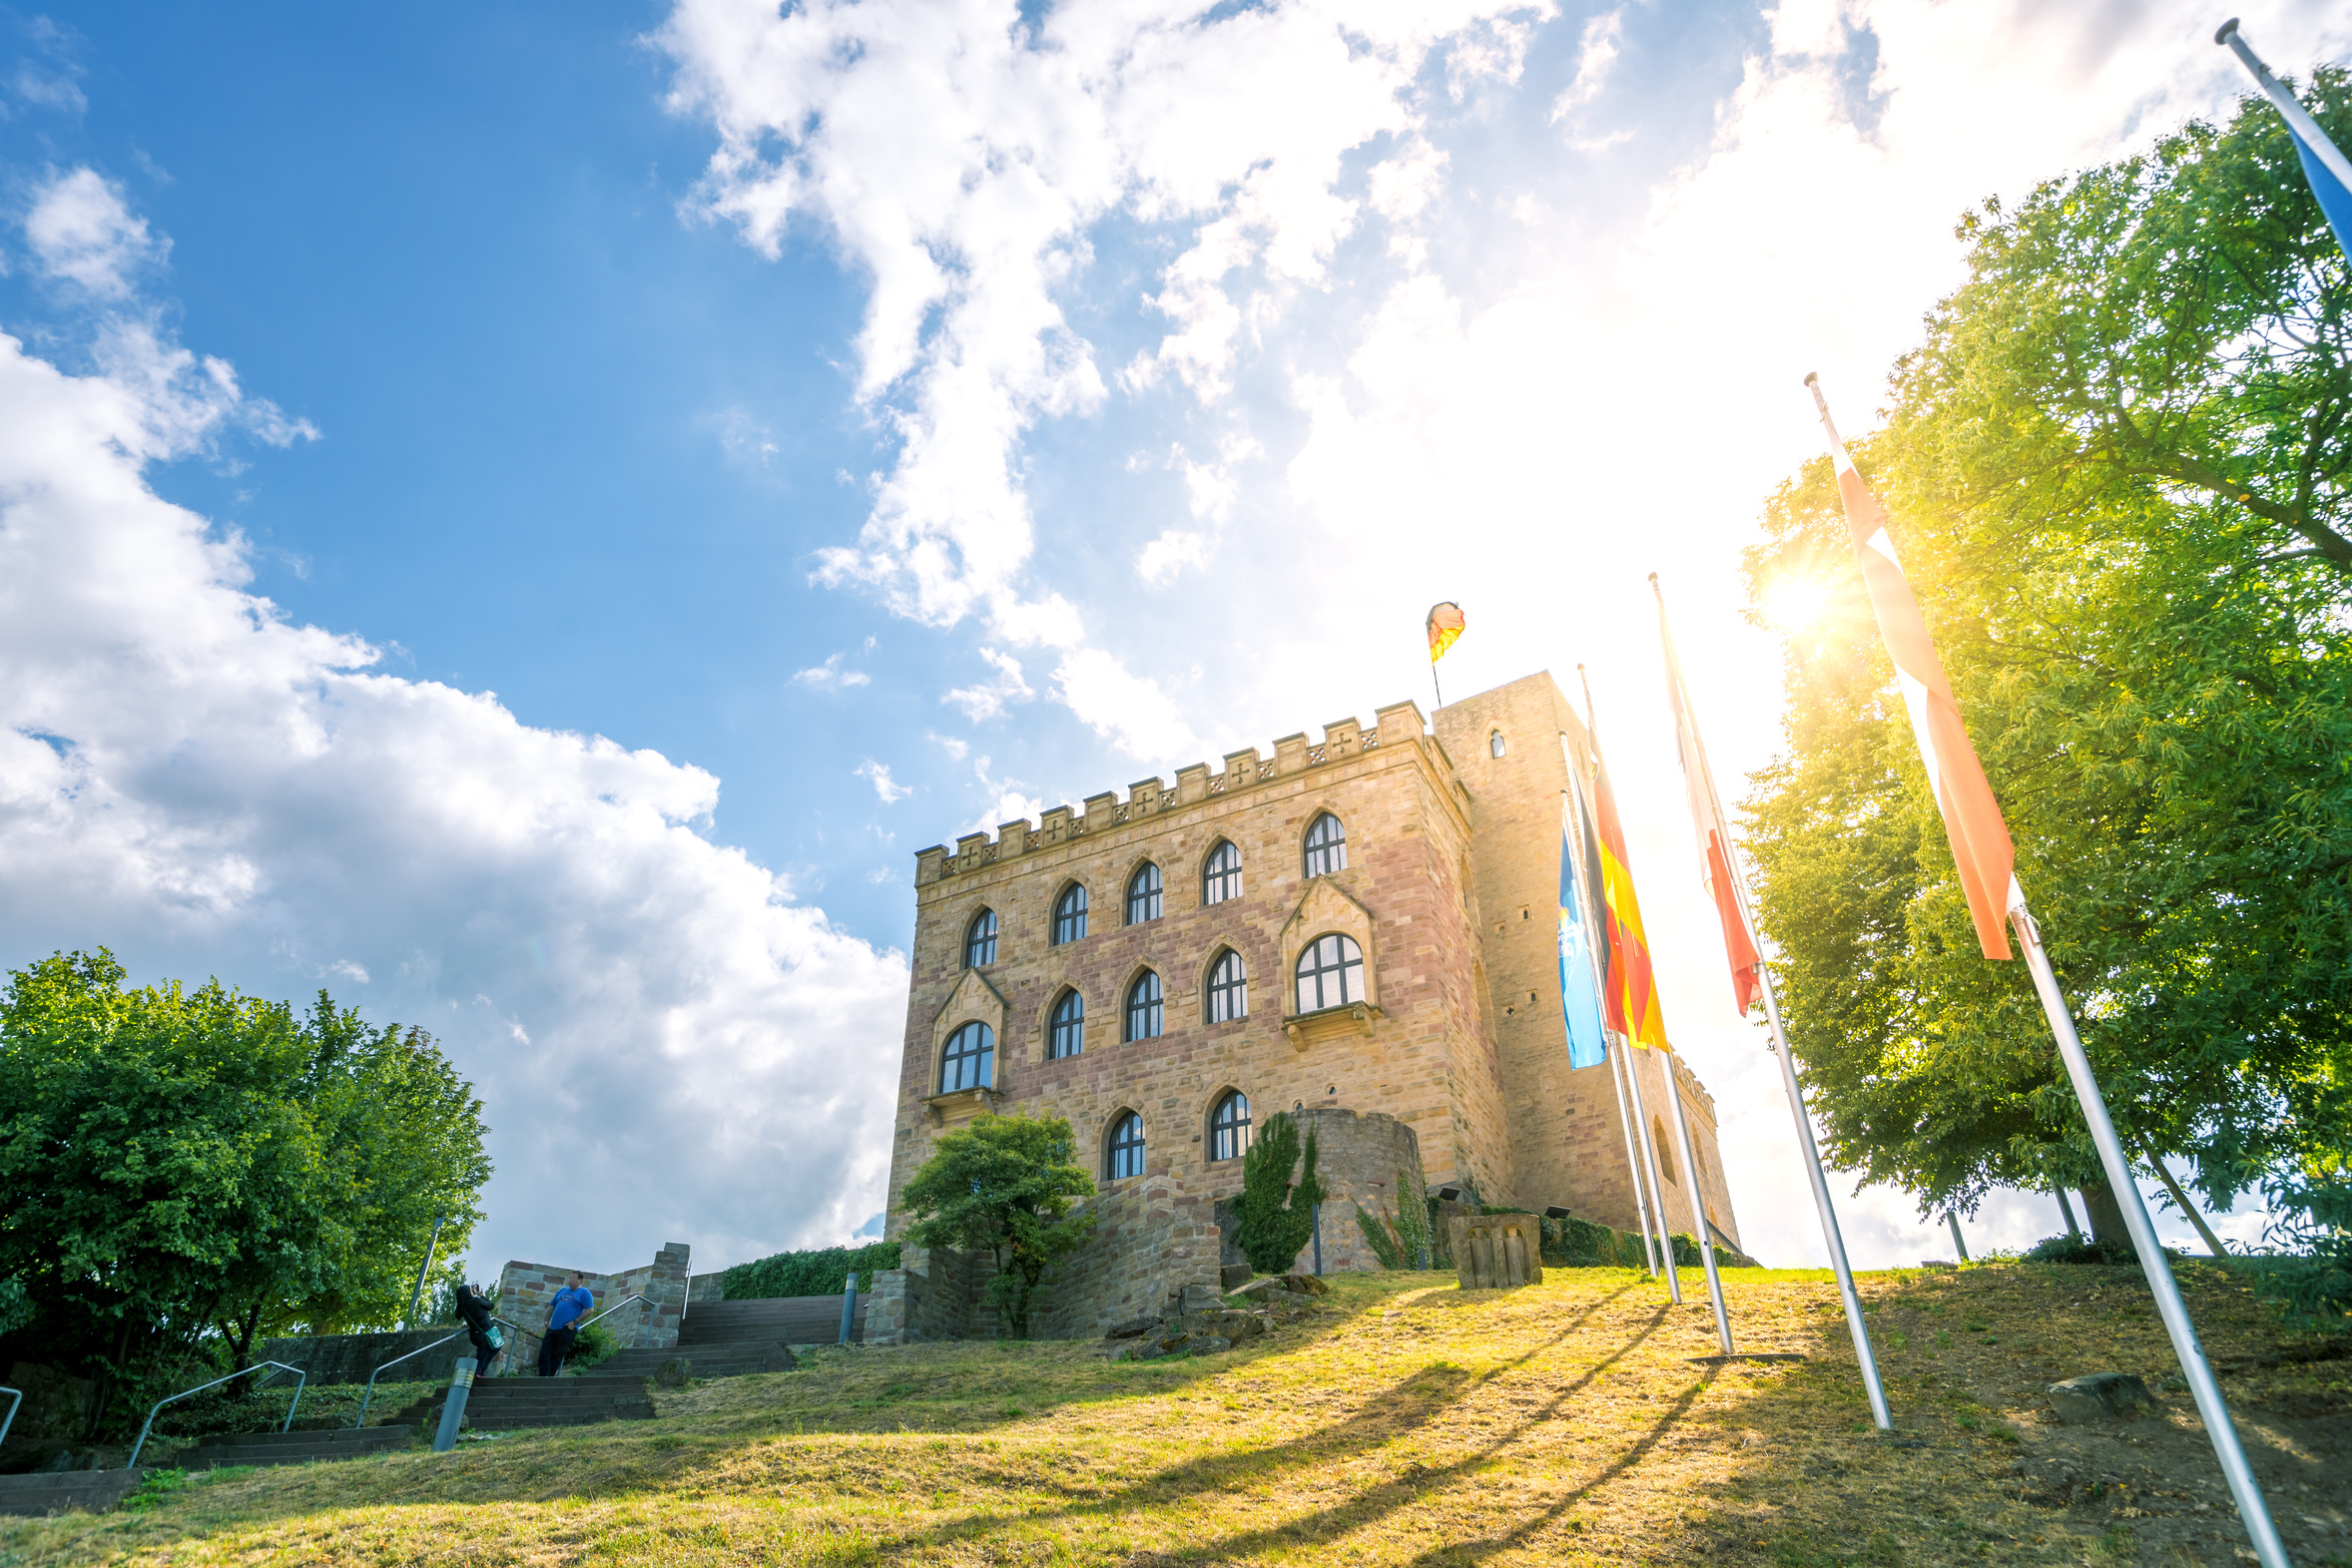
(593, 1346)
(1276, 1217)
(818, 1272)
(2070, 1249)
(2316, 1288)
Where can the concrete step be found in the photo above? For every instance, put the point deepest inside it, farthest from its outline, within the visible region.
(92, 1491)
(796, 1320)
(298, 1448)
(710, 1360)
(502, 1404)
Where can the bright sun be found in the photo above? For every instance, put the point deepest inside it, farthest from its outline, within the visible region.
(1793, 603)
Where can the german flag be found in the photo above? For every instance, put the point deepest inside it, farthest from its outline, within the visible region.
(1629, 998)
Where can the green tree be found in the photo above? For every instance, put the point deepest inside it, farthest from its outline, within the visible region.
(183, 1171)
(1276, 1217)
(2118, 474)
(1007, 1186)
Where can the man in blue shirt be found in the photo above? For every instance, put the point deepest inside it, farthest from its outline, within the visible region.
(572, 1304)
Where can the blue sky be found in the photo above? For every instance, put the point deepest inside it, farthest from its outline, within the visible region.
(827, 433)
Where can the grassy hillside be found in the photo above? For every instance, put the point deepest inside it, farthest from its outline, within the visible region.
(1402, 1421)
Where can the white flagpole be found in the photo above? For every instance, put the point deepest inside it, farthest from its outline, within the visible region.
(1698, 1208)
(2296, 115)
(1860, 1331)
(2212, 1408)
(1590, 917)
(1649, 1243)
(1657, 1193)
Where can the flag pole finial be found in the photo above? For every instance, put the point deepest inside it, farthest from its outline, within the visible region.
(2221, 32)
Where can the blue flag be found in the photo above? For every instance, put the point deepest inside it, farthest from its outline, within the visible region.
(2324, 166)
(1579, 993)
(2334, 200)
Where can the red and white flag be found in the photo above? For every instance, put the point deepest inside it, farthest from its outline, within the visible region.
(1706, 815)
(1980, 838)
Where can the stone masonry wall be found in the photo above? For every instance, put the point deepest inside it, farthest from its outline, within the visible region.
(1420, 1054)
(526, 1295)
(1358, 1159)
(1151, 1238)
(351, 1357)
(937, 1295)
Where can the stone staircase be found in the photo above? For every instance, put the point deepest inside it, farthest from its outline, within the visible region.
(718, 1339)
(500, 1404)
(93, 1491)
(296, 1447)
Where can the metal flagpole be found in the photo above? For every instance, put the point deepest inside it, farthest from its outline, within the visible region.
(1649, 1247)
(2067, 1210)
(1591, 919)
(1863, 1354)
(1698, 1208)
(2297, 116)
(2212, 1409)
(1798, 1112)
(1657, 1193)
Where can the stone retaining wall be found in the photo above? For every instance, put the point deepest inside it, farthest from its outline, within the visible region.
(1153, 1236)
(351, 1357)
(1358, 1158)
(526, 1293)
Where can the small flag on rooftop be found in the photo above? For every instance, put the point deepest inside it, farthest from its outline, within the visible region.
(2324, 165)
(1444, 624)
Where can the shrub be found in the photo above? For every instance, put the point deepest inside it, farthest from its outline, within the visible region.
(594, 1344)
(1004, 1185)
(1403, 1240)
(1276, 1217)
(2317, 1287)
(2074, 1250)
(816, 1272)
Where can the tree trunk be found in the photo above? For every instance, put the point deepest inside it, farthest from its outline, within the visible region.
(2106, 1217)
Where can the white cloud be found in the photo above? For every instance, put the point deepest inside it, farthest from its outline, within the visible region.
(187, 777)
(988, 699)
(745, 439)
(1596, 56)
(886, 788)
(831, 677)
(83, 234)
(970, 220)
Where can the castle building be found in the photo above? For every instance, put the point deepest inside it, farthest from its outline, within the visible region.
(1366, 924)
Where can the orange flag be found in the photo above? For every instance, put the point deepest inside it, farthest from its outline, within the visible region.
(1980, 838)
(1698, 781)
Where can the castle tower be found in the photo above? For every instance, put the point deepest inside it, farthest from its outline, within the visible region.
(1362, 924)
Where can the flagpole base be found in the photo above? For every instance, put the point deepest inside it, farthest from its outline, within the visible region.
(2212, 1408)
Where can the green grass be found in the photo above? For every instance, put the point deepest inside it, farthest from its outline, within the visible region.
(1401, 1421)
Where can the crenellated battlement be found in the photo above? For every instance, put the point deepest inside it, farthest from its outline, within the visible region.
(1243, 769)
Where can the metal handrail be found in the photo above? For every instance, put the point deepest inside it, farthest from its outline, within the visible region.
(608, 1311)
(12, 1410)
(419, 1351)
(301, 1381)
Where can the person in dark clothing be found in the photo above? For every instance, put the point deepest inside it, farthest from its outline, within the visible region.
(571, 1303)
(474, 1307)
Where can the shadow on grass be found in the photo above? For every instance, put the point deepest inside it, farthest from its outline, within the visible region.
(1384, 1417)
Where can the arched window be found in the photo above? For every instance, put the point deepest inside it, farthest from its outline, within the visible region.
(1070, 915)
(1067, 1037)
(1331, 973)
(1143, 894)
(1326, 846)
(1229, 1127)
(1143, 1007)
(1229, 988)
(970, 1062)
(979, 940)
(1663, 1149)
(1125, 1146)
(1221, 877)
(1495, 743)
